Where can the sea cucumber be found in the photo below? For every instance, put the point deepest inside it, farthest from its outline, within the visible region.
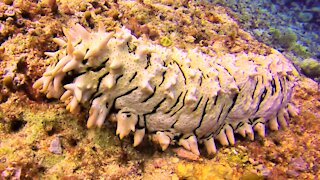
(175, 96)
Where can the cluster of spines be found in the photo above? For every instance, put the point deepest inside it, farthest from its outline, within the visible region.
(226, 134)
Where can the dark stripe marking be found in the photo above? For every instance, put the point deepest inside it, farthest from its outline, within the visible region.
(234, 100)
(163, 77)
(202, 115)
(197, 105)
(151, 95)
(255, 88)
(95, 95)
(148, 61)
(156, 107)
(119, 78)
(134, 76)
(174, 105)
(184, 97)
(96, 69)
(126, 93)
(183, 74)
(263, 95)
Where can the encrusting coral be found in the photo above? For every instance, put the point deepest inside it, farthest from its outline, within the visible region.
(175, 96)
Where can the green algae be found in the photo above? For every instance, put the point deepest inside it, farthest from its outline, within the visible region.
(50, 159)
(236, 156)
(301, 51)
(60, 164)
(102, 138)
(82, 7)
(286, 39)
(276, 33)
(310, 67)
(305, 16)
(36, 124)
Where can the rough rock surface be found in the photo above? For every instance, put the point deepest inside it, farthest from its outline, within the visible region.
(29, 122)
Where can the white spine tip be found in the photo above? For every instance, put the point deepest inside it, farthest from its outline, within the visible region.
(125, 123)
(162, 139)
(78, 94)
(65, 95)
(192, 140)
(59, 41)
(246, 130)
(138, 136)
(260, 129)
(115, 65)
(230, 135)
(184, 143)
(222, 138)
(281, 119)
(109, 81)
(293, 110)
(273, 124)
(146, 87)
(50, 54)
(210, 146)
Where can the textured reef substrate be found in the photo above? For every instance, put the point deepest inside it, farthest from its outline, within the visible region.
(292, 27)
(39, 138)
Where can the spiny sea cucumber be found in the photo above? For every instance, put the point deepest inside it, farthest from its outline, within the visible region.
(173, 95)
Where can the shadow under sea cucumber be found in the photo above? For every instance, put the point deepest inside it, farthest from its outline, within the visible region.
(172, 95)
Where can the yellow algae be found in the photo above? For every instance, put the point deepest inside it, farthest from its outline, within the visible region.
(205, 171)
(165, 41)
(6, 151)
(185, 170)
(251, 176)
(51, 159)
(7, 81)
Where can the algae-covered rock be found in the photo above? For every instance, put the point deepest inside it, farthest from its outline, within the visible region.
(311, 67)
(30, 123)
(286, 39)
(301, 50)
(305, 16)
(202, 171)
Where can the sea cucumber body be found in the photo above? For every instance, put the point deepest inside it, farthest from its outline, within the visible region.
(175, 96)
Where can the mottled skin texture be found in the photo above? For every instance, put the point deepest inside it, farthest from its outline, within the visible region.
(176, 96)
